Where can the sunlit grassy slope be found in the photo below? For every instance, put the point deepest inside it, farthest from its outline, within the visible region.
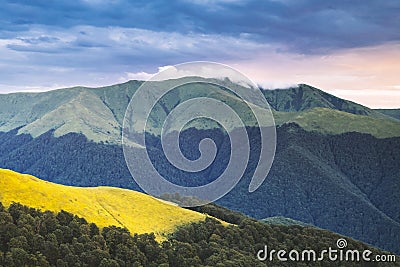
(105, 206)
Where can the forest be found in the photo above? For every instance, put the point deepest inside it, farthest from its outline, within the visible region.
(29, 237)
(346, 183)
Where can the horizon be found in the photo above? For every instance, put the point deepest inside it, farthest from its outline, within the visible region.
(345, 50)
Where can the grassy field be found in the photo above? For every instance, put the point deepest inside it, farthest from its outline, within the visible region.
(105, 206)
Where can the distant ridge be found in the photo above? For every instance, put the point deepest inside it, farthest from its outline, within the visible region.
(394, 113)
(305, 97)
(98, 113)
(332, 121)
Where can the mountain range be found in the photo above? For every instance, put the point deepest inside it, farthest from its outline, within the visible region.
(98, 113)
(336, 163)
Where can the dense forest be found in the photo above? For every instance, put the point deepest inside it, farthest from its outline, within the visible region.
(29, 237)
(346, 183)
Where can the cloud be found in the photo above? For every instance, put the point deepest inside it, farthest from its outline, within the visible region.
(140, 76)
(207, 70)
(90, 55)
(272, 85)
(277, 42)
(306, 26)
(125, 48)
(373, 69)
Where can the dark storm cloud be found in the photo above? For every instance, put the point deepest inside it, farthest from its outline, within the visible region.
(48, 44)
(306, 26)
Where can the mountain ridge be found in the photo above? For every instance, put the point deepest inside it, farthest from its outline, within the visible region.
(304, 97)
(98, 113)
(394, 113)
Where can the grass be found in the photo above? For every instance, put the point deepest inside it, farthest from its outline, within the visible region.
(105, 206)
(329, 121)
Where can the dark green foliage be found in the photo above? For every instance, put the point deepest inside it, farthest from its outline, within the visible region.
(32, 238)
(69, 160)
(29, 237)
(283, 221)
(346, 183)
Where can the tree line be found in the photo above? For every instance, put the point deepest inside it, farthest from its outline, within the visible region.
(29, 237)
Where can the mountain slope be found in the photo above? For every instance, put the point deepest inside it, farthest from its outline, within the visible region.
(333, 182)
(95, 112)
(105, 206)
(394, 113)
(346, 183)
(85, 114)
(279, 220)
(331, 121)
(304, 97)
(98, 113)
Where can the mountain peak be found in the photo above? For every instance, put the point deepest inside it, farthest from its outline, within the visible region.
(98, 113)
(305, 97)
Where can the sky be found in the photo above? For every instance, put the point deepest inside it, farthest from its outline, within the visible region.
(348, 48)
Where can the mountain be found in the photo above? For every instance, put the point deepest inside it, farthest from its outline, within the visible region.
(334, 182)
(305, 97)
(98, 113)
(336, 165)
(394, 113)
(332, 121)
(316, 110)
(104, 206)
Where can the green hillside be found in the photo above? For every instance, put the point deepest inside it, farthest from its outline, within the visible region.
(98, 113)
(305, 97)
(330, 121)
(394, 113)
(105, 206)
